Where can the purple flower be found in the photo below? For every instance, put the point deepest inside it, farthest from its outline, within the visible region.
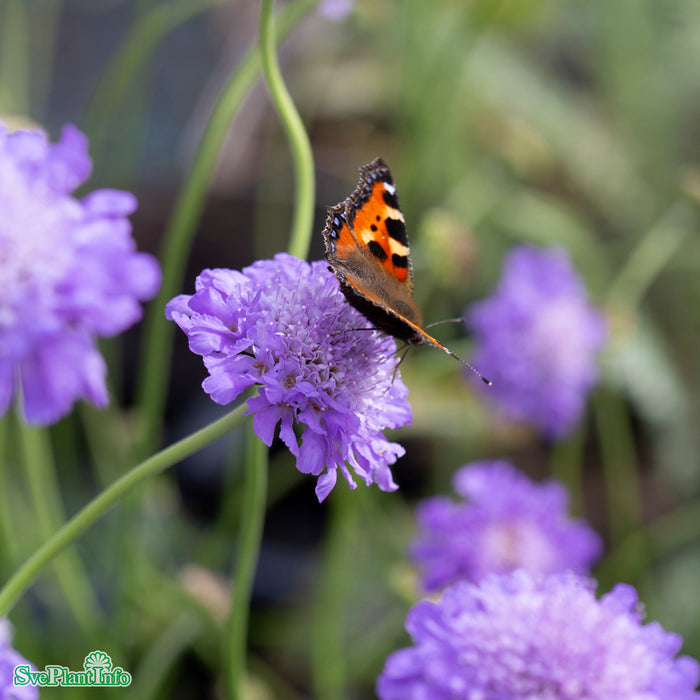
(68, 270)
(537, 338)
(507, 522)
(517, 637)
(284, 325)
(9, 658)
(335, 10)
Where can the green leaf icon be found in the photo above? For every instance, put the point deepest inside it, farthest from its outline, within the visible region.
(97, 659)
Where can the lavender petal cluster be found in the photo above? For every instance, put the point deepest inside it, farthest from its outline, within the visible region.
(284, 325)
(9, 658)
(505, 522)
(519, 637)
(69, 273)
(537, 338)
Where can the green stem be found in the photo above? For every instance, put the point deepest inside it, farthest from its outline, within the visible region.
(158, 661)
(252, 522)
(327, 653)
(9, 540)
(40, 470)
(14, 58)
(661, 537)
(567, 467)
(650, 256)
(178, 237)
(619, 464)
(299, 143)
(43, 52)
(80, 522)
(107, 441)
(129, 61)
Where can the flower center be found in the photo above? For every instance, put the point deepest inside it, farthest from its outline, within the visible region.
(518, 544)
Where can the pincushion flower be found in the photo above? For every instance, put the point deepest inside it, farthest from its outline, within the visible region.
(284, 325)
(68, 270)
(9, 658)
(506, 522)
(517, 637)
(537, 338)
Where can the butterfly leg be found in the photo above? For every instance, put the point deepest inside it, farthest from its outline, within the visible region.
(404, 351)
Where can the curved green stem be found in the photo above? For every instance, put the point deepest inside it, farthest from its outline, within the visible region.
(252, 522)
(80, 522)
(40, 470)
(178, 237)
(299, 143)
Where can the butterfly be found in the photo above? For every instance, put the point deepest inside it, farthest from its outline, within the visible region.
(366, 246)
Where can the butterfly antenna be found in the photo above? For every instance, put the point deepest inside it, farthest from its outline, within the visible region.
(447, 320)
(468, 366)
(455, 355)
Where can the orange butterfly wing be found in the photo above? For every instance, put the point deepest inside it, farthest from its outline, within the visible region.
(367, 248)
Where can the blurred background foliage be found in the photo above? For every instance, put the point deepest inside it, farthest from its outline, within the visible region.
(549, 122)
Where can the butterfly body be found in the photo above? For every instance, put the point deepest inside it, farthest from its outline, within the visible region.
(367, 249)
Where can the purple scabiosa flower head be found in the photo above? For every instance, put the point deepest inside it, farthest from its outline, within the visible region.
(507, 522)
(69, 272)
(537, 338)
(9, 658)
(284, 325)
(518, 637)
